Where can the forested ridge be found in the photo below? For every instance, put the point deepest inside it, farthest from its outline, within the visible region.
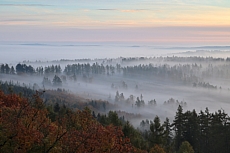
(192, 71)
(29, 124)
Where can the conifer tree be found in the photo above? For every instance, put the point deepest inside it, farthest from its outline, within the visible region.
(57, 81)
(178, 127)
(157, 132)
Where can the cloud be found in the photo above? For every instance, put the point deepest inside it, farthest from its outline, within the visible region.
(41, 5)
(18, 20)
(107, 9)
(134, 10)
(122, 10)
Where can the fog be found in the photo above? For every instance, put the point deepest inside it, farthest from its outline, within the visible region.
(191, 79)
(12, 52)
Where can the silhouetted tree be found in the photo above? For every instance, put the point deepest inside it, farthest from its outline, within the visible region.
(57, 81)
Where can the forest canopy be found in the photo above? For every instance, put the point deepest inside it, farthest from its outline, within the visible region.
(28, 125)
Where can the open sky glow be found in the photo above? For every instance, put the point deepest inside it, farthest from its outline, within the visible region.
(204, 22)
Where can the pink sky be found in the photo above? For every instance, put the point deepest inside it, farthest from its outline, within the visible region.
(205, 22)
(157, 35)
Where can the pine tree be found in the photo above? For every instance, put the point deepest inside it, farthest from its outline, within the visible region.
(117, 97)
(12, 70)
(168, 135)
(204, 121)
(191, 128)
(178, 127)
(2, 69)
(57, 81)
(138, 102)
(157, 132)
(7, 69)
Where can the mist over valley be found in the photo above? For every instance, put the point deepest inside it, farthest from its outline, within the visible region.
(146, 85)
(115, 76)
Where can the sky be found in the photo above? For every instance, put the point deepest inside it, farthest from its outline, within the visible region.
(181, 22)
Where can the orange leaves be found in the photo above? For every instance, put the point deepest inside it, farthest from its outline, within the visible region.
(157, 149)
(21, 124)
(11, 100)
(96, 139)
(25, 127)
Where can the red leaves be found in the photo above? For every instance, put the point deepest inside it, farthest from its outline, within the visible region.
(25, 126)
(93, 137)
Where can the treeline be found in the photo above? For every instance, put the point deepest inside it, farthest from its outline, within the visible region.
(56, 97)
(94, 69)
(200, 132)
(185, 73)
(6, 69)
(206, 132)
(205, 85)
(189, 74)
(136, 59)
(30, 125)
(176, 59)
(216, 71)
(139, 102)
(28, 69)
(17, 88)
(181, 72)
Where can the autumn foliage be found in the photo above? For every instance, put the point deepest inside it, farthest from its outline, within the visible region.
(25, 126)
(156, 149)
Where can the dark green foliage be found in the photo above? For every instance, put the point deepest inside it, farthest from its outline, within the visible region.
(56, 107)
(28, 69)
(185, 148)
(11, 87)
(135, 136)
(178, 127)
(12, 70)
(191, 128)
(139, 102)
(111, 118)
(157, 132)
(206, 132)
(52, 69)
(4, 68)
(87, 69)
(114, 119)
(57, 81)
(23, 68)
(168, 136)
